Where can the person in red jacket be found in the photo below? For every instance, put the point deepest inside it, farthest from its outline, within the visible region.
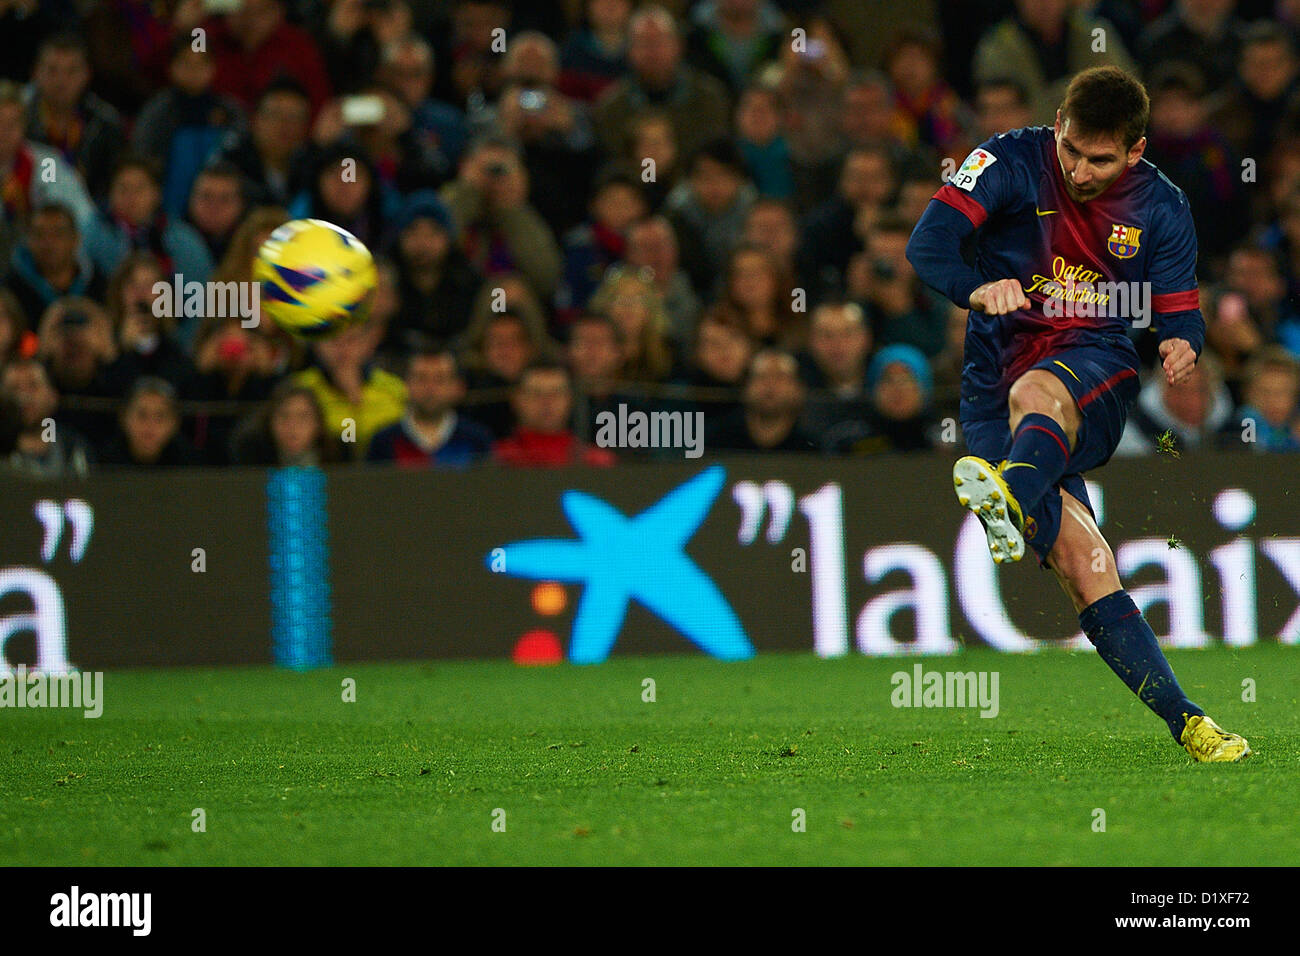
(543, 404)
(257, 44)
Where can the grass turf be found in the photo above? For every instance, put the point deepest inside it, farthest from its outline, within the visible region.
(710, 773)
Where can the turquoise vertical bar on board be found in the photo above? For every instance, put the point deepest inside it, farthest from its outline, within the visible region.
(298, 539)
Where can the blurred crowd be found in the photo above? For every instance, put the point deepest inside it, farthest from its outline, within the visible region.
(582, 205)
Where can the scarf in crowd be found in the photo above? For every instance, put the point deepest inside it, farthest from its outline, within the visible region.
(17, 189)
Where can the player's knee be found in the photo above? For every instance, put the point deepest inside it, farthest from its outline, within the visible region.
(1029, 396)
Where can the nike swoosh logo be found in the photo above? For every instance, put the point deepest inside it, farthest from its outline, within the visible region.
(1046, 212)
(1018, 464)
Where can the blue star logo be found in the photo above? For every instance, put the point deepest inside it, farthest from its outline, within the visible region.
(619, 559)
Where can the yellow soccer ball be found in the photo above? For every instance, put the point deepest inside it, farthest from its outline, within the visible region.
(316, 278)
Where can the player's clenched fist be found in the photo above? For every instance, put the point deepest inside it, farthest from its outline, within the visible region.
(999, 297)
(1178, 359)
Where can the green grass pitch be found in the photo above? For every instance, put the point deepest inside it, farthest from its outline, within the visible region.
(711, 772)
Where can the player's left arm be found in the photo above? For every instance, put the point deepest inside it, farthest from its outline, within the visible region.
(1175, 295)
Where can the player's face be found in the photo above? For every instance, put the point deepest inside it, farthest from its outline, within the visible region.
(1091, 163)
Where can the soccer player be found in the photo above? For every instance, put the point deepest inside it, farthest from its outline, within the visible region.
(1071, 226)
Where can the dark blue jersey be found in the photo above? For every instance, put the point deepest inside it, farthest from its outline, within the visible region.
(1091, 270)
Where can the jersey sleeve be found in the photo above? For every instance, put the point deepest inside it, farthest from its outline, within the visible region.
(1175, 295)
(984, 182)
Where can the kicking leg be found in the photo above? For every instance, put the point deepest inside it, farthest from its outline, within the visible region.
(1085, 566)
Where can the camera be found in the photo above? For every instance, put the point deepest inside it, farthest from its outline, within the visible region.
(497, 170)
(532, 100)
(883, 269)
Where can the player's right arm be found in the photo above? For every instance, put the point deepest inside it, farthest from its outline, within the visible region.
(982, 184)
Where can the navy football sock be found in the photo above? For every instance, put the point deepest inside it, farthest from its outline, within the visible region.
(1126, 642)
(1037, 459)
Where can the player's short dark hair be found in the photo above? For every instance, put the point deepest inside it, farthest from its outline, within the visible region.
(1106, 100)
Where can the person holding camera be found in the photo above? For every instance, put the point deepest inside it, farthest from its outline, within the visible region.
(499, 231)
(47, 263)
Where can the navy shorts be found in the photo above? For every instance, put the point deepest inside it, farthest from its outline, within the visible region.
(1104, 383)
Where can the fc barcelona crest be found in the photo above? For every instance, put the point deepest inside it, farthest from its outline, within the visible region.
(1124, 241)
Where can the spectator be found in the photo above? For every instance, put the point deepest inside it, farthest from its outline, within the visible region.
(810, 77)
(834, 231)
(947, 365)
(135, 220)
(868, 119)
(1255, 275)
(431, 433)
(356, 397)
(731, 39)
(149, 430)
(898, 417)
(185, 122)
(383, 128)
(343, 187)
(652, 245)
(16, 339)
(595, 55)
(762, 142)
(1282, 237)
(217, 205)
(129, 43)
(436, 283)
(758, 291)
(601, 241)
(499, 346)
(288, 431)
(62, 112)
(835, 368)
(630, 300)
(839, 344)
(1194, 155)
(24, 26)
(77, 344)
(32, 175)
(1272, 401)
(708, 211)
(232, 364)
(45, 448)
(653, 150)
(926, 109)
(1194, 413)
(499, 231)
(720, 360)
(273, 152)
(1044, 43)
(48, 263)
(474, 60)
(407, 67)
(1265, 95)
(350, 38)
(255, 45)
(773, 227)
(773, 401)
(554, 133)
(1203, 32)
(595, 355)
(543, 405)
(146, 329)
(898, 305)
(253, 230)
(696, 102)
(1001, 105)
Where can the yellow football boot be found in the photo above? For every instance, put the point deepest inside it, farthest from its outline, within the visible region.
(981, 488)
(1209, 743)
